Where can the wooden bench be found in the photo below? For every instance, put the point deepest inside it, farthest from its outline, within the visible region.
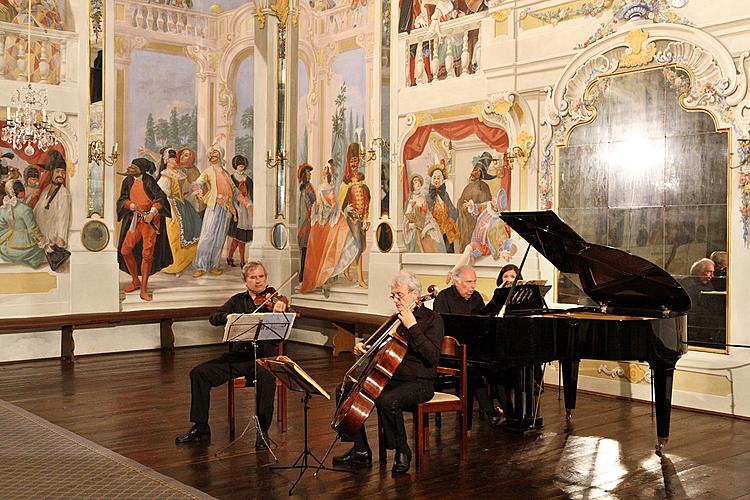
(68, 323)
(343, 341)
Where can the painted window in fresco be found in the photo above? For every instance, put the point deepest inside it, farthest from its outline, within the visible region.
(243, 88)
(162, 104)
(650, 178)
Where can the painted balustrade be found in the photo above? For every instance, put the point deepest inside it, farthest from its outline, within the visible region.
(51, 52)
(442, 52)
(158, 18)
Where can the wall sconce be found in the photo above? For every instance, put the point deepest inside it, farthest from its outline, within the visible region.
(279, 160)
(515, 153)
(96, 153)
(370, 154)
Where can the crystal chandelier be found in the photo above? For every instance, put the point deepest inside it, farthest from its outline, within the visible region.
(23, 128)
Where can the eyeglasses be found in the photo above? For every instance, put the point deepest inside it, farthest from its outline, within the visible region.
(399, 295)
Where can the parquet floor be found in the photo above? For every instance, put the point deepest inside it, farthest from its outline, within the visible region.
(136, 403)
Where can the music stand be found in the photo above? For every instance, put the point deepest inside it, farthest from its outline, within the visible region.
(296, 379)
(256, 327)
(525, 297)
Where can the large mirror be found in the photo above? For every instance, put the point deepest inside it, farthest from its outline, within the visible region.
(95, 162)
(649, 177)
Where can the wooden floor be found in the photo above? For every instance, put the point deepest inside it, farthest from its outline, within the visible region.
(136, 403)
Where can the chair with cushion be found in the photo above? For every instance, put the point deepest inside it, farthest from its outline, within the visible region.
(452, 364)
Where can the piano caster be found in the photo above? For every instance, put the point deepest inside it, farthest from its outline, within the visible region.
(568, 415)
(661, 443)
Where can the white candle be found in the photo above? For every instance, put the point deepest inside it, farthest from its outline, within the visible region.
(7, 113)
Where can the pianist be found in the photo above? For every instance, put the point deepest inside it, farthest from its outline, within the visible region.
(462, 298)
(505, 279)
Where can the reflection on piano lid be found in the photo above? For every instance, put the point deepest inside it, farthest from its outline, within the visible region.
(611, 277)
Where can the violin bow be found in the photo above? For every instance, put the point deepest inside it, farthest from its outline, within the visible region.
(276, 292)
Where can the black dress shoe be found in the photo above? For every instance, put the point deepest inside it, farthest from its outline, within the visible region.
(196, 433)
(261, 441)
(354, 457)
(402, 462)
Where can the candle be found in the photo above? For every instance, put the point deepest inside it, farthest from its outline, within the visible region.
(7, 113)
(115, 149)
(268, 155)
(44, 115)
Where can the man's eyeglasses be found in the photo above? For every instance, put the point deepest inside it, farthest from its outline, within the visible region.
(398, 296)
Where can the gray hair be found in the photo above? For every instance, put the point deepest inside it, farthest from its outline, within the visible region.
(719, 257)
(699, 267)
(459, 272)
(406, 278)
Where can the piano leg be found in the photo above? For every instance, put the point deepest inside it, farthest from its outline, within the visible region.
(570, 385)
(662, 384)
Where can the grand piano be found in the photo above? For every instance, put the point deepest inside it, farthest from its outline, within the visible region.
(640, 316)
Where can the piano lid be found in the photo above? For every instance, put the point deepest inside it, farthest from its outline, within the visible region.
(609, 276)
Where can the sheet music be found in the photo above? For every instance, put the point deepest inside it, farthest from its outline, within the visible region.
(258, 326)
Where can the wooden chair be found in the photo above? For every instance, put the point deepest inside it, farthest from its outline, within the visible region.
(440, 402)
(241, 382)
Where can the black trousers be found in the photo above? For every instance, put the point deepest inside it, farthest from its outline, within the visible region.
(397, 397)
(218, 371)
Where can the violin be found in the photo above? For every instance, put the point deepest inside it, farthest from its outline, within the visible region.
(367, 378)
(269, 296)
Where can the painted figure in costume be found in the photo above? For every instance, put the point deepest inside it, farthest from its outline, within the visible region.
(304, 210)
(143, 248)
(52, 210)
(491, 235)
(21, 240)
(31, 181)
(331, 246)
(421, 232)
(186, 162)
(44, 13)
(216, 189)
(477, 191)
(441, 207)
(184, 226)
(356, 207)
(241, 229)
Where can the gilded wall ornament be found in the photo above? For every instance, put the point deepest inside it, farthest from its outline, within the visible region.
(638, 52)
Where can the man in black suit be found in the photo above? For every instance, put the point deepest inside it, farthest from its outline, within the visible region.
(462, 298)
(238, 362)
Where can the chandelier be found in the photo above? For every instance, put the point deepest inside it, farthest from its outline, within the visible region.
(23, 128)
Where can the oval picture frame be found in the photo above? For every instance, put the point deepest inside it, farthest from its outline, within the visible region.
(95, 236)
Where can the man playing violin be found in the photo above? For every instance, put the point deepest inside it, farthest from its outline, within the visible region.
(413, 381)
(238, 362)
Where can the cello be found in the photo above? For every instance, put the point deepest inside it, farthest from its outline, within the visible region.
(369, 375)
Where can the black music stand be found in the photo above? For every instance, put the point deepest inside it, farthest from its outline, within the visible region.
(296, 379)
(525, 297)
(256, 327)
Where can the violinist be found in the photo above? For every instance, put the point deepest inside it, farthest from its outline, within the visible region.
(238, 362)
(413, 380)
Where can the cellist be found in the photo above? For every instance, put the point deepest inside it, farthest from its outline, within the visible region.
(413, 381)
